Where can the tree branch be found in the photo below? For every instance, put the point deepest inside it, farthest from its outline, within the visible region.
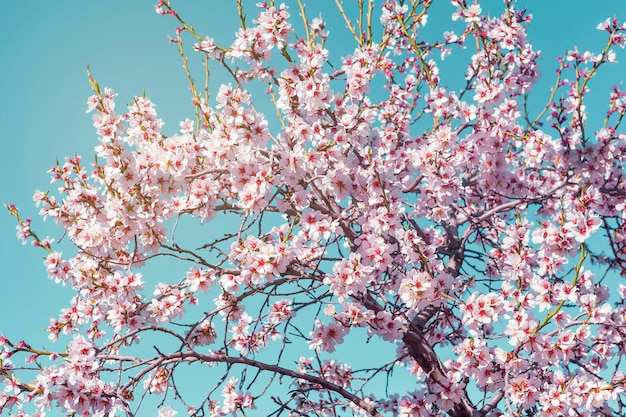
(179, 357)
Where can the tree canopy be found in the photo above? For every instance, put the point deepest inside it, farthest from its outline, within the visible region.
(352, 233)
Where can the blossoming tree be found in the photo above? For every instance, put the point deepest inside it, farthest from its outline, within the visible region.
(469, 246)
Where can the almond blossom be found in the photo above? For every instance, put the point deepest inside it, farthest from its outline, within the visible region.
(396, 221)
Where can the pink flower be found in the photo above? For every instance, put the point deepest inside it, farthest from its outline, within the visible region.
(207, 46)
(167, 411)
(581, 227)
(416, 290)
(235, 400)
(325, 337)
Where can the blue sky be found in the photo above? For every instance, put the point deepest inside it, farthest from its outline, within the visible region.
(45, 48)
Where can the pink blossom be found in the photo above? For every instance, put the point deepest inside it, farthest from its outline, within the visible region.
(378, 204)
(325, 336)
(167, 411)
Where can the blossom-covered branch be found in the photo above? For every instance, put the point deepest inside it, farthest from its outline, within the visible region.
(335, 233)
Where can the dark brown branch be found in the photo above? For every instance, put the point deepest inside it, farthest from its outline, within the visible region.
(179, 357)
(426, 357)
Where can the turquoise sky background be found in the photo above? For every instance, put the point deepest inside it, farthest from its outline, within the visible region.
(46, 46)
